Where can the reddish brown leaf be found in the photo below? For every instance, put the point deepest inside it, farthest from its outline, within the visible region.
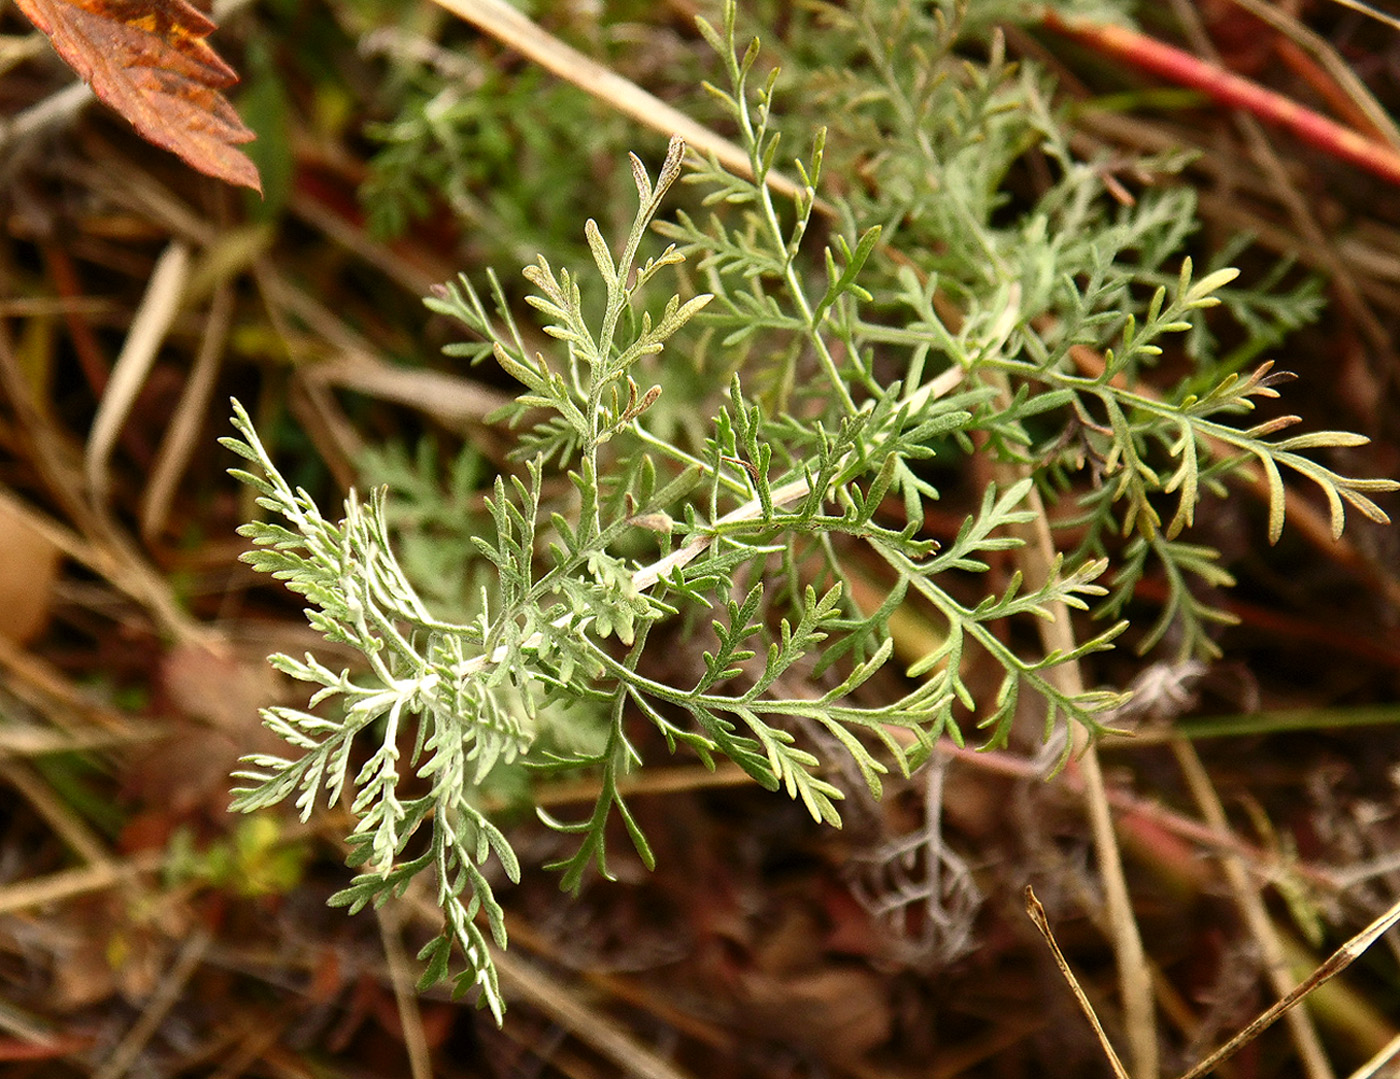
(148, 60)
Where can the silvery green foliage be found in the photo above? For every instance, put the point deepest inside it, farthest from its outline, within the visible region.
(849, 386)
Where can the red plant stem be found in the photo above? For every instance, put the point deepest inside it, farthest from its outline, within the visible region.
(1181, 67)
(1297, 60)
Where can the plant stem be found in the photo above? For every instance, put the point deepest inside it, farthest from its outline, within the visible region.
(1036, 557)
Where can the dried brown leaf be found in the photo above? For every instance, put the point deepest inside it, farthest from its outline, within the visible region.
(148, 60)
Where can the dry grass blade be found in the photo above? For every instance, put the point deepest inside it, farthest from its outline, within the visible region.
(150, 62)
(1251, 904)
(103, 547)
(1036, 558)
(148, 329)
(1370, 12)
(57, 109)
(66, 824)
(182, 436)
(67, 883)
(523, 981)
(402, 977)
(1037, 915)
(507, 25)
(1337, 962)
(1373, 1066)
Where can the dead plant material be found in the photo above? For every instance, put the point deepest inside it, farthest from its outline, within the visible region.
(1181, 67)
(150, 62)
